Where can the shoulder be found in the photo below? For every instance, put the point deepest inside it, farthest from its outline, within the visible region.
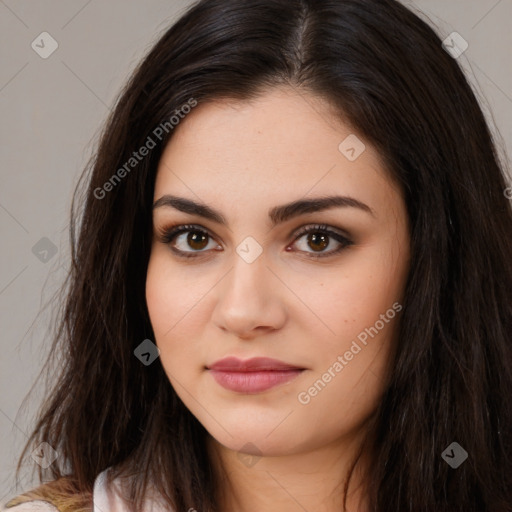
(29, 506)
(61, 495)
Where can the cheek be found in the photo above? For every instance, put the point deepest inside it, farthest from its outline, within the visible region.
(172, 295)
(349, 370)
(176, 311)
(354, 296)
(160, 296)
(361, 306)
(167, 304)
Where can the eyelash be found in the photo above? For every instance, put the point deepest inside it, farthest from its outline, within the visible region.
(167, 235)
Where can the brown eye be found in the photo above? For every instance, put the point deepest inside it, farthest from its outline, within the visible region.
(318, 238)
(197, 240)
(187, 240)
(317, 241)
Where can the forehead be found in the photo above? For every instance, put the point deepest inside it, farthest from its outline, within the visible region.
(279, 146)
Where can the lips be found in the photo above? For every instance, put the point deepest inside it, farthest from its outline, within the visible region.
(252, 365)
(253, 375)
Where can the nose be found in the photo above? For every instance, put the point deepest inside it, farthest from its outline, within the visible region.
(249, 300)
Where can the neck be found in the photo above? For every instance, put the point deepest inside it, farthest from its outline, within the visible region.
(305, 481)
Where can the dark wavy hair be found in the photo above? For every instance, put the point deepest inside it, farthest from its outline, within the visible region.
(386, 73)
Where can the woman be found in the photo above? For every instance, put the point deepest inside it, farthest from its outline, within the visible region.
(291, 286)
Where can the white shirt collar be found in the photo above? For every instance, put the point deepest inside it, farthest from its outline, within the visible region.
(107, 499)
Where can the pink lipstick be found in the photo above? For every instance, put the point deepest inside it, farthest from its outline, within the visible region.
(252, 375)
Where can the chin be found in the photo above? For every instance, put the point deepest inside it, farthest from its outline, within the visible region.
(257, 439)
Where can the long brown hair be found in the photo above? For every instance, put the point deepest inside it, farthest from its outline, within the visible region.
(386, 73)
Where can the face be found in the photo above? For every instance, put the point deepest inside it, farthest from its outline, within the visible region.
(242, 279)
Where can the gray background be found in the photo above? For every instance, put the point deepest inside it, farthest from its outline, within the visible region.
(52, 110)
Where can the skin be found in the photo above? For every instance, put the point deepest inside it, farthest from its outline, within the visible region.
(243, 158)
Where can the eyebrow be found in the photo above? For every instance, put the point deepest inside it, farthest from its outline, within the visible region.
(276, 214)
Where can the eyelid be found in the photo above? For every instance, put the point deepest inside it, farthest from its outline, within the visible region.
(167, 233)
(308, 228)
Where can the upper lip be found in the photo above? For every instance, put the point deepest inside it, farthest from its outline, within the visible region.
(254, 364)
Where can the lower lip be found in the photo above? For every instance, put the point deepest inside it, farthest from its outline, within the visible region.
(253, 382)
